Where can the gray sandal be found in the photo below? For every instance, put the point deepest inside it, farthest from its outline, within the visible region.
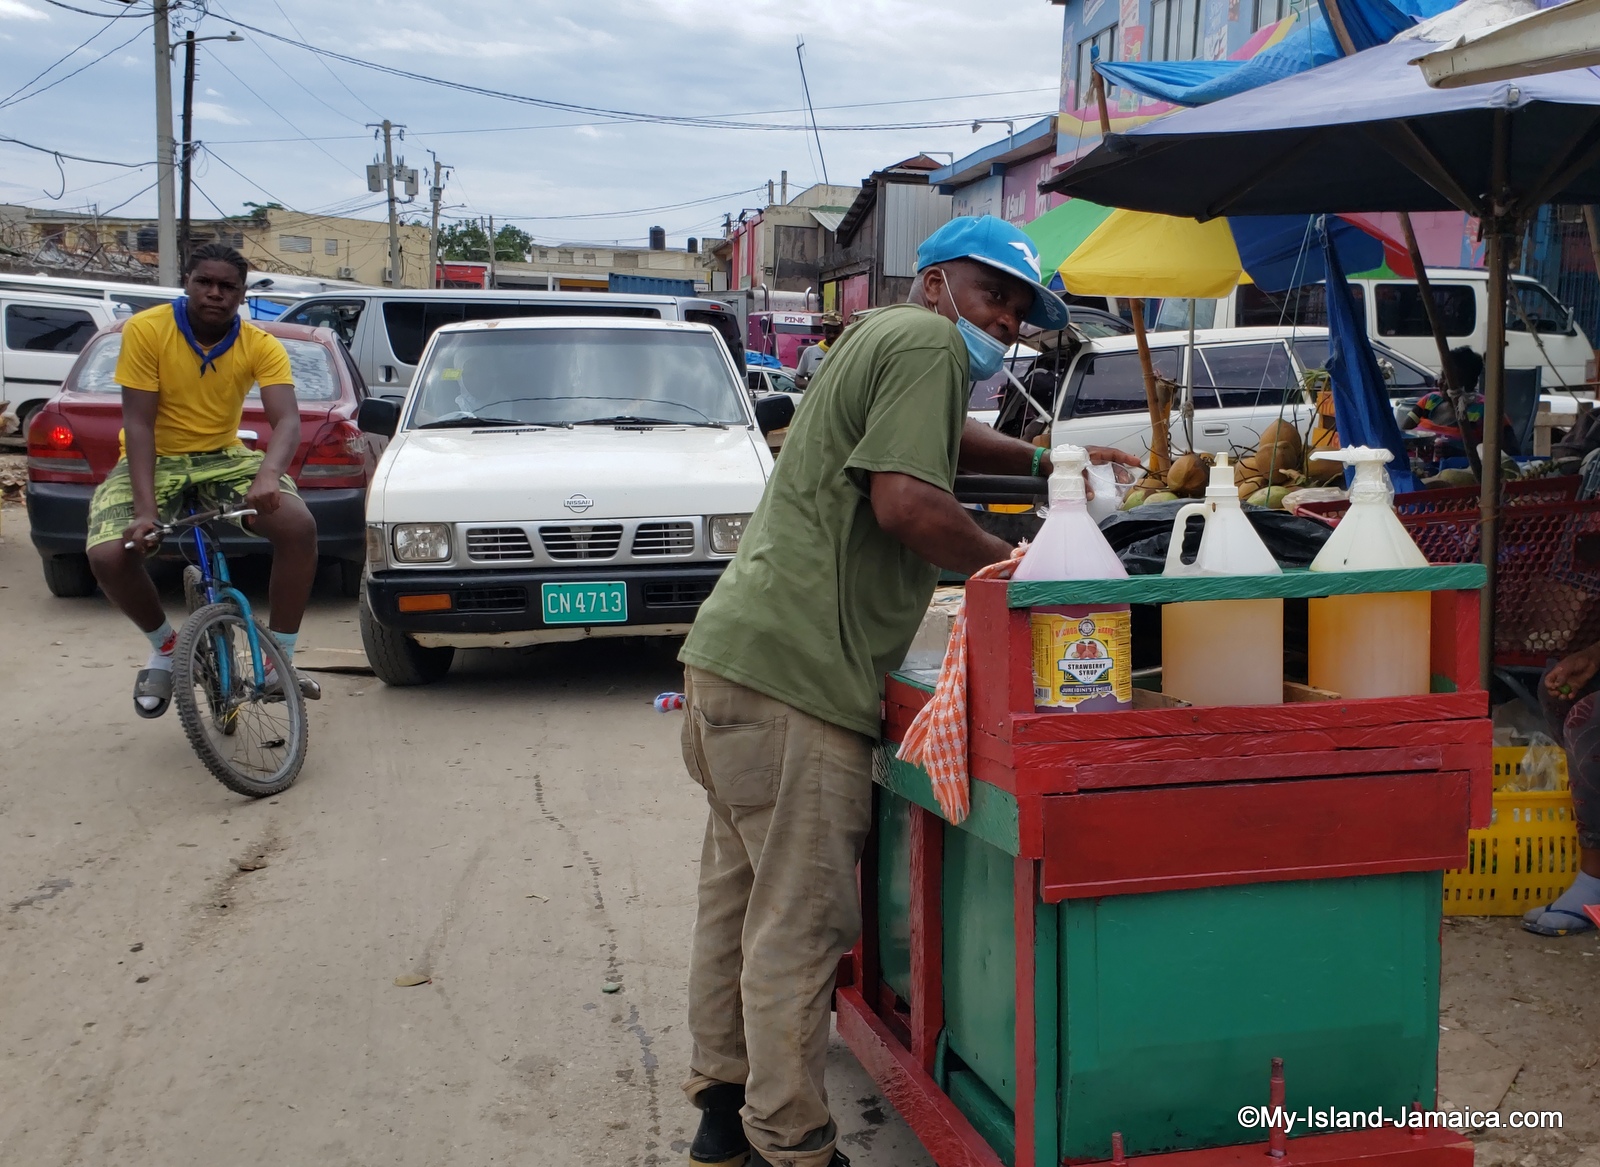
(152, 683)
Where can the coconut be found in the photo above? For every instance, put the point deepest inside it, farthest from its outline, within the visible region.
(1280, 447)
(1188, 475)
(1271, 497)
(1135, 498)
(1160, 496)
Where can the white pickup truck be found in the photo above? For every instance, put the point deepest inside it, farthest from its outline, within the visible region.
(553, 479)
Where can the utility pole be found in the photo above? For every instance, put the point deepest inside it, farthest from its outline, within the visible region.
(384, 181)
(166, 223)
(436, 193)
(188, 148)
(490, 277)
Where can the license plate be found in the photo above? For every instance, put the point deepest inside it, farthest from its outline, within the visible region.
(584, 603)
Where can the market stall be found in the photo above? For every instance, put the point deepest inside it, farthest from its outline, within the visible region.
(1154, 918)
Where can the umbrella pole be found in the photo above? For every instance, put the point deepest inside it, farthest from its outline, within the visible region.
(1160, 419)
(1447, 376)
(1498, 224)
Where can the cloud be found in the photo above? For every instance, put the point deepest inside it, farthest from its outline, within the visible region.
(17, 10)
(215, 111)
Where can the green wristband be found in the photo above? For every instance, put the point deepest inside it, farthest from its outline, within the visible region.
(1038, 456)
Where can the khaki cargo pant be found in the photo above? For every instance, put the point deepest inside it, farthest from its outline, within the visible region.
(791, 802)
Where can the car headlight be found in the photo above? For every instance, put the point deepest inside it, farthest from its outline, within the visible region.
(377, 553)
(726, 531)
(421, 542)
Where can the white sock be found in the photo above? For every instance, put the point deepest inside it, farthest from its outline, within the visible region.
(286, 642)
(162, 641)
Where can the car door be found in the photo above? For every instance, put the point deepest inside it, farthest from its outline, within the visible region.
(1240, 389)
(1104, 402)
(40, 341)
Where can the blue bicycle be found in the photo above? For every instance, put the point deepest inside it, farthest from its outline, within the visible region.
(236, 691)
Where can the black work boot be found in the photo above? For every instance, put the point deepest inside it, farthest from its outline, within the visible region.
(838, 1160)
(720, 1141)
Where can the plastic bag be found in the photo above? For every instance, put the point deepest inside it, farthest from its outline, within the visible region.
(1544, 766)
(1140, 536)
(1111, 484)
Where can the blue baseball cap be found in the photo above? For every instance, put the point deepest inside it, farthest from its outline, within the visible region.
(986, 239)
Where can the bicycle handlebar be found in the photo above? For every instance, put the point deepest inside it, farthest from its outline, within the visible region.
(162, 530)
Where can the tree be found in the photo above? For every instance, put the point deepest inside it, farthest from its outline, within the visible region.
(466, 239)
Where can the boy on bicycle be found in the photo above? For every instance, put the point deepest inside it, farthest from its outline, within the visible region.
(185, 369)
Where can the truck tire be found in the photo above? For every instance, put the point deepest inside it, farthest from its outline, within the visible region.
(395, 657)
(68, 576)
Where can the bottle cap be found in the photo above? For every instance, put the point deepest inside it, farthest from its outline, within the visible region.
(1371, 480)
(1067, 464)
(1221, 486)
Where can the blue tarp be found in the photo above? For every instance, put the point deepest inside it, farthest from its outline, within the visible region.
(1361, 407)
(761, 360)
(1308, 45)
(1278, 251)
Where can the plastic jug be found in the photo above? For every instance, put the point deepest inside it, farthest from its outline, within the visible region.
(1082, 655)
(1222, 652)
(1373, 645)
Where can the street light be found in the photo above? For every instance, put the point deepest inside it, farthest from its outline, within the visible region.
(189, 42)
(1011, 129)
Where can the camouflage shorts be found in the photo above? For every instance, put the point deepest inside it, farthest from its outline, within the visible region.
(212, 481)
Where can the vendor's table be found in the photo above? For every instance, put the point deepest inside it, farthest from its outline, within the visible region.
(1145, 909)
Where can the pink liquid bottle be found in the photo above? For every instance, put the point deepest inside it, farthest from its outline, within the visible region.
(1082, 654)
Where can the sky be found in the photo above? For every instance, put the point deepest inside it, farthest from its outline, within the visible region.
(285, 125)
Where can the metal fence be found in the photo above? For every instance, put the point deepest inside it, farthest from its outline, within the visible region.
(1556, 252)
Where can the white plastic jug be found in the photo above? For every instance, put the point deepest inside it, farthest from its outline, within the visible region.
(1378, 644)
(1222, 652)
(1082, 655)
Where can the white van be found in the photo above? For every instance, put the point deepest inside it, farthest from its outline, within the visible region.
(40, 336)
(386, 330)
(1397, 317)
(126, 299)
(556, 478)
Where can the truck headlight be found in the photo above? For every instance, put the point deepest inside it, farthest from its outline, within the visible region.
(421, 542)
(726, 531)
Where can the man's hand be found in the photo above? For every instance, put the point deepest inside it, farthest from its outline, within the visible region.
(1569, 677)
(142, 533)
(264, 495)
(1100, 456)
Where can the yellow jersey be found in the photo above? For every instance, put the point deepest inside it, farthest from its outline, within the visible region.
(198, 412)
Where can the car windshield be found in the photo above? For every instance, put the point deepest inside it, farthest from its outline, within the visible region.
(312, 365)
(573, 376)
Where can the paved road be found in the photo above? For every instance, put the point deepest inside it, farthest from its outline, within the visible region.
(522, 833)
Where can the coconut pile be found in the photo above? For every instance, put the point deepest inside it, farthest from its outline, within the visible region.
(1264, 477)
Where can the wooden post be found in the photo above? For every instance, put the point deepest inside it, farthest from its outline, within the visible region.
(1447, 377)
(1160, 418)
(1498, 234)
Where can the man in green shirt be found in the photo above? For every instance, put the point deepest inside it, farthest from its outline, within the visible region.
(785, 665)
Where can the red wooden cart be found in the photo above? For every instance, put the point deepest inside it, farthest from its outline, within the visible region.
(1145, 912)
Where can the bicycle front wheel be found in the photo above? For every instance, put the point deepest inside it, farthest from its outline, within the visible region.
(254, 742)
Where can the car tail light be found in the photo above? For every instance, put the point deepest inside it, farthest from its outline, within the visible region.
(337, 457)
(53, 451)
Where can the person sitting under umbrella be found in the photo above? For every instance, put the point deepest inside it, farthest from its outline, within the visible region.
(1570, 696)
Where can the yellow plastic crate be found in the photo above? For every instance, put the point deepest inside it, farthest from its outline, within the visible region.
(1527, 856)
(1508, 764)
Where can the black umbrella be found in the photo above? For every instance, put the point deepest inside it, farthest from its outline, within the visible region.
(1366, 133)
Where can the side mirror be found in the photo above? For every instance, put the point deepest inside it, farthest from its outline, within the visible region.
(773, 412)
(378, 415)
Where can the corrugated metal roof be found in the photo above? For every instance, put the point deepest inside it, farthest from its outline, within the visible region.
(828, 218)
(911, 213)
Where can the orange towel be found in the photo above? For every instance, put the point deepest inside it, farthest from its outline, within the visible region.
(937, 737)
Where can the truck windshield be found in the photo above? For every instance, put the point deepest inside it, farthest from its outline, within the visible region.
(569, 376)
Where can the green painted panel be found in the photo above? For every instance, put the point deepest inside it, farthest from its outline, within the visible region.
(1174, 1004)
(993, 817)
(894, 891)
(980, 1013)
(1167, 589)
(987, 1114)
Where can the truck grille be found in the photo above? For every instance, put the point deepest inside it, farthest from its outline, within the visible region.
(677, 593)
(664, 539)
(596, 541)
(492, 599)
(490, 544)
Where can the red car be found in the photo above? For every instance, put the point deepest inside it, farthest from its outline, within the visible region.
(72, 446)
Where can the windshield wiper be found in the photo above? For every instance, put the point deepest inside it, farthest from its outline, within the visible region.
(445, 423)
(631, 419)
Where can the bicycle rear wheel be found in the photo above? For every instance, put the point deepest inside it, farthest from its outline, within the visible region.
(253, 742)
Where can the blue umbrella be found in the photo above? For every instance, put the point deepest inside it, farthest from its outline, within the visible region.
(1366, 133)
(1361, 408)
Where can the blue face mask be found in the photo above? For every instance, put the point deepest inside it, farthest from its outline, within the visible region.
(985, 354)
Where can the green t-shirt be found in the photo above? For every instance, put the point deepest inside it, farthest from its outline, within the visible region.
(820, 602)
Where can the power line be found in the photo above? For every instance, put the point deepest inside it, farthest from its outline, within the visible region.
(54, 64)
(73, 157)
(281, 117)
(692, 122)
(130, 13)
(15, 100)
(325, 64)
(635, 211)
